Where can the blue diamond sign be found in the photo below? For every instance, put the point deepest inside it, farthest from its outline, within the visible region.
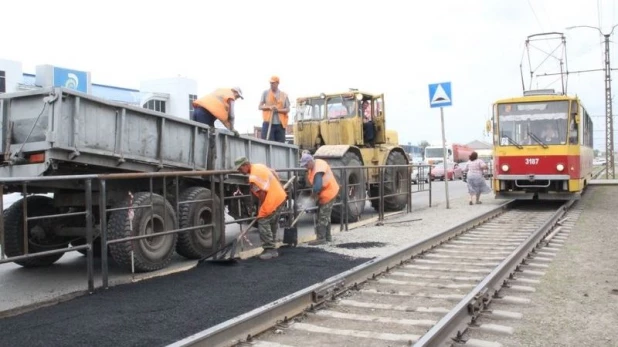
(440, 95)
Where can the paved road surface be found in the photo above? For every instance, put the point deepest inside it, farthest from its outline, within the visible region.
(19, 286)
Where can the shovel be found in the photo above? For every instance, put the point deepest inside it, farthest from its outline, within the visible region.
(221, 254)
(270, 125)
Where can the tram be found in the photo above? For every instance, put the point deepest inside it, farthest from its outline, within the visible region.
(543, 146)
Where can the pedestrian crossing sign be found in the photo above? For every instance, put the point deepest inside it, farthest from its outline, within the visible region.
(440, 95)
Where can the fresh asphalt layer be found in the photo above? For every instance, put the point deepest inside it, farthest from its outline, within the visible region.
(163, 310)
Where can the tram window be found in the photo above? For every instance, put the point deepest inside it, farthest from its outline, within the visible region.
(573, 132)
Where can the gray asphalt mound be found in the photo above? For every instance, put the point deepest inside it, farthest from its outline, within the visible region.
(166, 309)
(357, 245)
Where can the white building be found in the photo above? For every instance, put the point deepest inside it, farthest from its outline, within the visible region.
(172, 96)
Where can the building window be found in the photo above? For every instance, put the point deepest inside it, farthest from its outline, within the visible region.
(192, 97)
(2, 82)
(155, 105)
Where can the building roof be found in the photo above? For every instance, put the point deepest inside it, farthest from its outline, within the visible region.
(476, 144)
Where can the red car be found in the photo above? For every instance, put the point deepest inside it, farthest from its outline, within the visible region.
(453, 171)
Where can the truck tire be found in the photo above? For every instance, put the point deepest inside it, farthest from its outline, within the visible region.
(149, 254)
(394, 182)
(198, 243)
(40, 238)
(356, 188)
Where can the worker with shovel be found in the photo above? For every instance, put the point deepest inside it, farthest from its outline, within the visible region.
(275, 106)
(326, 188)
(265, 185)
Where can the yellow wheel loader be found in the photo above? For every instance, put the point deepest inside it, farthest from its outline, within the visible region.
(349, 129)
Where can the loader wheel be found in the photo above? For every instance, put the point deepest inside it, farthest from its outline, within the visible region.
(394, 182)
(356, 188)
(149, 254)
(40, 232)
(197, 243)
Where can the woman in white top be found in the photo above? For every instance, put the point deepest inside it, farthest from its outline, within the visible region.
(476, 179)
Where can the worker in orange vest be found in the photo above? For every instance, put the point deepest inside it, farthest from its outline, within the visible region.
(326, 188)
(275, 107)
(217, 105)
(265, 185)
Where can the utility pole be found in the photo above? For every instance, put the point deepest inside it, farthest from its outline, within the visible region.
(609, 120)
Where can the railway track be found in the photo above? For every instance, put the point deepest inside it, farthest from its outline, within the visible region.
(427, 294)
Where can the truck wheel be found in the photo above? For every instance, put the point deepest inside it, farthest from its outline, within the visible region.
(394, 182)
(151, 253)
(40, 238)
(198, 243)
(356, 188)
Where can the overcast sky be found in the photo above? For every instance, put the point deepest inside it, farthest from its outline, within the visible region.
(391, 47)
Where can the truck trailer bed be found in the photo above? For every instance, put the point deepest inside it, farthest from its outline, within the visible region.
(55, 131)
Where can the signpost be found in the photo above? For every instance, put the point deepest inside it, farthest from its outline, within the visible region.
(440, 95)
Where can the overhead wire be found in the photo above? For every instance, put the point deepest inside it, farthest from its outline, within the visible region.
(560, 59)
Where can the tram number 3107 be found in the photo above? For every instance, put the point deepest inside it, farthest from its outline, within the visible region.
(532, 161)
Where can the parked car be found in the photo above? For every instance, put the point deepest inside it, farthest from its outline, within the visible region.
(415, 159)
(453, 171)
(464, 173)
(420, 174)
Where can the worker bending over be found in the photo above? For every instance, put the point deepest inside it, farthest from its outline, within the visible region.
(265, 185)
(326, 188)
(217, 105)
(275, 107)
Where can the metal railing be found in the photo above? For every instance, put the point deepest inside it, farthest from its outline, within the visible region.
(166, 187)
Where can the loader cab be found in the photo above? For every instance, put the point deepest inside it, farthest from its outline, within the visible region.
(351, 118)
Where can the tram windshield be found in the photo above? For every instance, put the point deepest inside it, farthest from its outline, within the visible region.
(533, 123)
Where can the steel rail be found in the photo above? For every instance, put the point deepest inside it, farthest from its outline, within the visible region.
(455, 323)
(245, 326)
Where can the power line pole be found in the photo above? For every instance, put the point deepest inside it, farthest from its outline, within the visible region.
(609, 120)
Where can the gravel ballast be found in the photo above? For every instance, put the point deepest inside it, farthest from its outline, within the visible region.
(576, 301)
(165, 309)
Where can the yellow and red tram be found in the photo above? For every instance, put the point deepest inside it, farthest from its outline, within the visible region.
(542, 147)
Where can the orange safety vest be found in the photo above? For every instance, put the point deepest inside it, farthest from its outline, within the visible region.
(263, 179)
(330, 187)
(272, 101)
(217, 103)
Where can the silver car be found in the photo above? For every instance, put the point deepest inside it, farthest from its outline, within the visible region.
(420, 174)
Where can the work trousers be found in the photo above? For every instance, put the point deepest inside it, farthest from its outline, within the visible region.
(277, 132)
(202, 115)
(323, 222)
(268, 228)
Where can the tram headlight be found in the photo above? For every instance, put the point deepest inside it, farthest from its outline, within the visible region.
(559, 167)
(505, 167)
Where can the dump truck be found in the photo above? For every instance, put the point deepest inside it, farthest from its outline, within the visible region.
(57, 131)
(456, 153)
(336, 128)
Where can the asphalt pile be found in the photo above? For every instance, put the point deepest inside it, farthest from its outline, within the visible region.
(163, 310)
(357, 245)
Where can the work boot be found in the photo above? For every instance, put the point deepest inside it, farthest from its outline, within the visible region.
(269, 254)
